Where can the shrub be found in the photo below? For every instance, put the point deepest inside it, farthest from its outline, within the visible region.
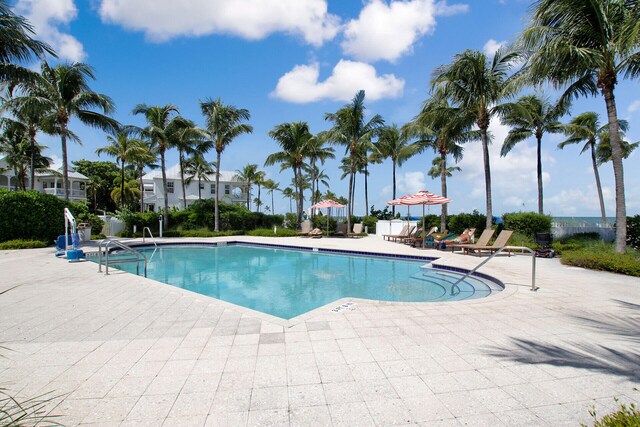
(290, 220)
(633, 231)
(29, 215)
(94, 221)
(625, 416)
(528, 223)
(459, 222)
(208, 233)
(23, 244)
(604, 259)
(320, 221)
(140, 220)
(266, 232)
(370, 222)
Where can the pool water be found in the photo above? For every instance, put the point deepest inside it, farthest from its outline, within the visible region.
(286, 283)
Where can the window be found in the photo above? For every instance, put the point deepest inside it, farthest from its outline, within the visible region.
(227, 189)
(213, 189)
(201, 186)
(170, 187)
(82, 186)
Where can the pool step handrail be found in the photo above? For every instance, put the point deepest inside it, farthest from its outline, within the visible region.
(150, 235)
(505, 248)
(107, 243)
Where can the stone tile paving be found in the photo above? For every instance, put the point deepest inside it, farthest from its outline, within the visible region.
(126, 351)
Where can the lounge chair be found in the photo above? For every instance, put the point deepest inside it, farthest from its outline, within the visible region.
(341, 229)
(403, 233)
(316, 233)
(358, 229)
(486, 235)
(501, 242)
(422, 237)
(431, 240)
(305, 228)
(414, 234)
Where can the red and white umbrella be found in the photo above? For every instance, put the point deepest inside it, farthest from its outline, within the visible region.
(327, 203)
(422, 197)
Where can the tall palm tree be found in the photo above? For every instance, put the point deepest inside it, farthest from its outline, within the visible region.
(288, 193)
(185, 136)
(585, 46)
(17, 45)
(158, 132)
(317, 151)
(126, 193)
(271, 186)
(477, 84)
(393, 144)
(224, 123)
(123, 148)
(248, 175)
(352, 131)
(260, 175)
(65, 93)
(20, 152)
(586, 128)
(317, 176)
(198, 167)
(532, 116)
(293, 139)
(436, 169)
(144, 157)
(603, 149)
(443, 128)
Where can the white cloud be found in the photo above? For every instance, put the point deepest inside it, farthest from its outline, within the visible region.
(582, 201)
(162, 20)
(409, 183)
(513, 177)
(47, 16)
(634, 106)
(388, 31)
(491, 47)
(301, 85)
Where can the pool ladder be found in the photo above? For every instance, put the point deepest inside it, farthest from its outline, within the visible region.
(108, 244)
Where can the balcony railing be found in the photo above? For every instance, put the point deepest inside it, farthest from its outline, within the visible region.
(59, 192)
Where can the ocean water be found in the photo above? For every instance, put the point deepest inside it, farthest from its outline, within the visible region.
(582, 220)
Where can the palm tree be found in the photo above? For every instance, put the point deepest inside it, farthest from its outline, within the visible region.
(317, 176)
(532, 116)
(248, 175)
(126, 193)
(443, 128)
(270, 185)
(224, 124)
(187, 138)
(17, 45)
(318, 151)
(144, 157)
(123, 149)
(436, 169)
(293, 139)
(21, 153)
(478, 85)
(603, 149)
(350, 130)
(288, 193)
(198, 167)
(64, 92)
(586, 128)
(584, 46)
(157, 130)
(393, 144)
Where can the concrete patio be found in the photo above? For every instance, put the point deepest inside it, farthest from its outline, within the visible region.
(122, 350)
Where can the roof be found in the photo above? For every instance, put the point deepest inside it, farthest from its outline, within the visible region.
(174, 173)
(72, 174)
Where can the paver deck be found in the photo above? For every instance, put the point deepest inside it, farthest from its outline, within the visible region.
(123, 350)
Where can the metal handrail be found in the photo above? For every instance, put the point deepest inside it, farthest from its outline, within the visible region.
(505, 248)
(107, 242)
(150, 235)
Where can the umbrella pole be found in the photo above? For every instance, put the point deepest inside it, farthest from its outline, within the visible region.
(328, 216)
(423, 229)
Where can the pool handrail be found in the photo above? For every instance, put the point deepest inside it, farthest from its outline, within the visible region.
(504, 248)
(107, 242)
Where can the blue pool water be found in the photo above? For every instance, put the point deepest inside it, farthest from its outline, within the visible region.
(286, 283)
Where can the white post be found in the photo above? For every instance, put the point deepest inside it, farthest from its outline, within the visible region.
(160, 224)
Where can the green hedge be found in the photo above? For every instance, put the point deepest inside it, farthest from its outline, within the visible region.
(23, 244)
(29, 215)
(633, 231)
(528, 223)
(604, 260)
(268, 232)
(459, 222)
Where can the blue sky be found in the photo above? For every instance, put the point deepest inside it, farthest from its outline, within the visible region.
(290, 60)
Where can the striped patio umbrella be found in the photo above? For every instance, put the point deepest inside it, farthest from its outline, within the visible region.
(422, 197)
(327, 203)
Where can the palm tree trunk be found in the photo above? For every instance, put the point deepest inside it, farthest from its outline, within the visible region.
(216, 211)
(184, 190)
(366, 189)
(297, 172)
(259, 201)
(65, 164)
(598, 185)
(349, 201)
(165, 214)
(443, 188)
(249, 195)
(32, 171)
(122, 184)
(616, 158)
(487, 177)
(272, 211)
(540, 197)
(141, 190)
(393, 208)
(199, 188)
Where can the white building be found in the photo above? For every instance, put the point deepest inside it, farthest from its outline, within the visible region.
(46, 182)
(232, 190)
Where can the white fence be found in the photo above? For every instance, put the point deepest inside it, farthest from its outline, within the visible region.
(391, 227)
(606, 232)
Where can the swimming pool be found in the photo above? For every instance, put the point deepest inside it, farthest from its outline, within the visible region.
(286, 283)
